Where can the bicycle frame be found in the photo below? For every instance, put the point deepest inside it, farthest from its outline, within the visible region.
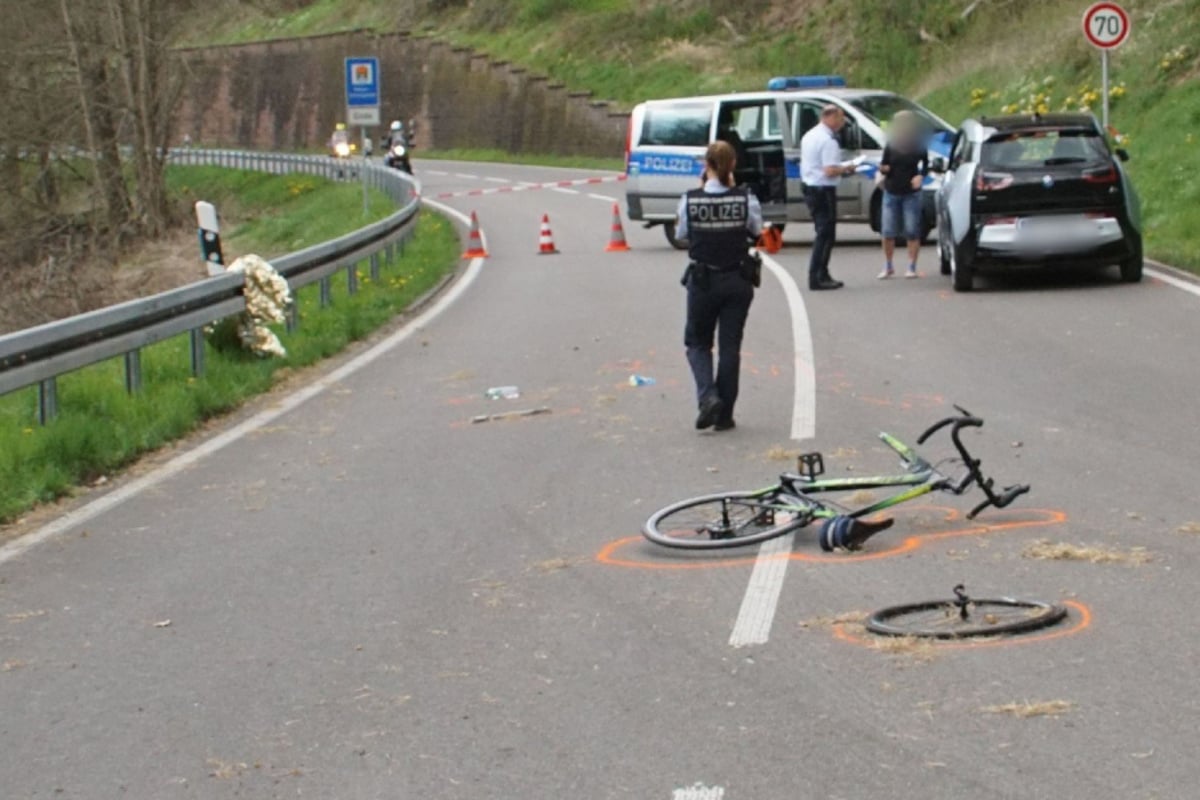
(921, 477)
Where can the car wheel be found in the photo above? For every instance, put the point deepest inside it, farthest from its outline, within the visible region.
(669, 230)
(961, 269)
(943, 255)
(1131, 268)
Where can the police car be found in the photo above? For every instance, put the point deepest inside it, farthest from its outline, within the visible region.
(664, 155)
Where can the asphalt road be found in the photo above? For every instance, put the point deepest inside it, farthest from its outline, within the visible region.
(360, 593)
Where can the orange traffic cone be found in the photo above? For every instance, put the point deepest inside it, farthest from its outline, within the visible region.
(475, 241)
(545, 239)
(770, 240)
(616, 242)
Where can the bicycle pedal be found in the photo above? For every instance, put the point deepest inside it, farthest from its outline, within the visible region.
(810, 465)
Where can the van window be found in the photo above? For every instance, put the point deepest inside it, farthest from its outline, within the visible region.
(678, 124)
(759, 122)
(882, 107)
(804, 115)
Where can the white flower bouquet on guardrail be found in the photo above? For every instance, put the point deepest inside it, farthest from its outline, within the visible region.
(267, 298)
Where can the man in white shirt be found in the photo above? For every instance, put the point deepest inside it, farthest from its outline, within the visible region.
(821, 170)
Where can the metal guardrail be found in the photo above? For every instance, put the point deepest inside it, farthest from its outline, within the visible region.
(39, 355)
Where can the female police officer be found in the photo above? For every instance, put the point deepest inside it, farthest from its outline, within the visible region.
(719, 222)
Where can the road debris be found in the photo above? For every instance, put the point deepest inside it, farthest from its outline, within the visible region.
(526, 412)
(502, 393)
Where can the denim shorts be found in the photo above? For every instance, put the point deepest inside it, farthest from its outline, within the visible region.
(897, 205)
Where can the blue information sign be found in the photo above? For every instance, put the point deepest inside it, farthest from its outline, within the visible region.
(362, 81)
(362, 91)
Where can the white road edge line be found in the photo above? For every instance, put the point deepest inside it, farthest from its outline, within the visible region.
(176, 465)
(603, 197)
(757, 613)
(1187, 286)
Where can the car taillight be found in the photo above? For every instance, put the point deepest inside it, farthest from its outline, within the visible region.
(1000, 221)
(1101, 175)
(992, 181)
(1099, 214)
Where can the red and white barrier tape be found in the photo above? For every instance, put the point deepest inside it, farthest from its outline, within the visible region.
(524, 187)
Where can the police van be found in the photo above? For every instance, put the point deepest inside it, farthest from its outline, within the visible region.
(667, 139)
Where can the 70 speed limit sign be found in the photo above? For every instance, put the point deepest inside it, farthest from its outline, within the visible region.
(1106, 25)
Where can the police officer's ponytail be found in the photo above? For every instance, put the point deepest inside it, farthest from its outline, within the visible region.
(720, 160)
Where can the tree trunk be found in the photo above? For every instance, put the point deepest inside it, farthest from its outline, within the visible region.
(92, 78)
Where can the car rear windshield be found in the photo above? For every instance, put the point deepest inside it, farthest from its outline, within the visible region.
(1037, 149)
(681, 125)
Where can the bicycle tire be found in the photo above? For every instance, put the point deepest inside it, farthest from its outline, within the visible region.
(941, 619)
(699, 523)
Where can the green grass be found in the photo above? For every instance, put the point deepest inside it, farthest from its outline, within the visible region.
(505, 157)
(276, 213)
(629, 51)
(101, 428)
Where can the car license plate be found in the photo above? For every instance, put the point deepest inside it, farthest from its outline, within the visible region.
(1050, 229)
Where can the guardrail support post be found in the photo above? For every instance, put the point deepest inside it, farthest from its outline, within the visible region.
(388, 254)
(325, 292)
(291, 316)
(47, 401)
(197, 347)
(352, 278)
(133, 371)
(374, 261)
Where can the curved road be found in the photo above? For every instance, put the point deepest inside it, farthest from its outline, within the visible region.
(357, 592)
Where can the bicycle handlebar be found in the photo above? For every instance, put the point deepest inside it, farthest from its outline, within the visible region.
(967, 420)
(999, 501)
(974, 475)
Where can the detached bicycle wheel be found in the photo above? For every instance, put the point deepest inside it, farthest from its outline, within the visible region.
(950, 619)
(731, 519)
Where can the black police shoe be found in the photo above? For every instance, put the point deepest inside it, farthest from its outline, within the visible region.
(711, 408)
(825, 283)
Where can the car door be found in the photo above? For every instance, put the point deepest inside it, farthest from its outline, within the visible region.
(954, 196)
(801, 115)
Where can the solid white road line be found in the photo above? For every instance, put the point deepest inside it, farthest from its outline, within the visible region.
(698, 792)
(603, 197)
(755, 617)
(804, 402)
(754, 620)
(176, 465)
(1187, 286)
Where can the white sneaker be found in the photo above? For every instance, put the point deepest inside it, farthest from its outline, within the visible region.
(912, 273)
(887, 273)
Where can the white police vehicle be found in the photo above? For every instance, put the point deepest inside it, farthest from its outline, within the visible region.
(667, 138)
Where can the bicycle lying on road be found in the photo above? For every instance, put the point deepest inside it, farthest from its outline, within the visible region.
(733, 519)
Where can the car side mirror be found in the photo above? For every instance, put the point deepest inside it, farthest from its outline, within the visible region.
(1122, 153)
(937, 164)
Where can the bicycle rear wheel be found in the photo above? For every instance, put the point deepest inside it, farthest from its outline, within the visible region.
(944, 619)
(730, 519)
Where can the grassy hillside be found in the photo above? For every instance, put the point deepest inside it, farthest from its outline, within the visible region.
(960, 57)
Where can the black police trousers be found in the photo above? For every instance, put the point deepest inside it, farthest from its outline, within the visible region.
(717, 306)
